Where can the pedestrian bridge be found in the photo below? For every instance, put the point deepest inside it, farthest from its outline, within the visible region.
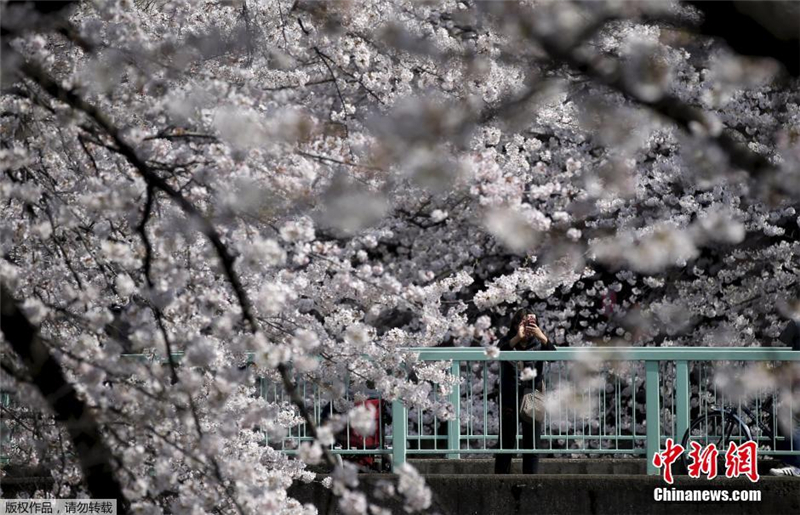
(610, 410)
(602, 401)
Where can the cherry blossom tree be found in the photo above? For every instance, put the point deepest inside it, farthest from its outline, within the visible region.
(313, 187)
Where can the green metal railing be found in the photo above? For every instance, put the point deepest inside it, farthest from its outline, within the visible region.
(675, 383)
(654, 359)
(662, 374)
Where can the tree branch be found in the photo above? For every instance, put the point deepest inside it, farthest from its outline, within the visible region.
(684, 115)
(227, 259)
(94, 456)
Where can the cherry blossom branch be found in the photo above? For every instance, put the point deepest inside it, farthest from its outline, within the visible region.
(93, 454)
(688, 117)
(148, 262)
(227, 259)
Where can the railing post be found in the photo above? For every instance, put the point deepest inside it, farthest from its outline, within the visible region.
(399, 433)
(454, 426)
(653, 414)
(681, 398)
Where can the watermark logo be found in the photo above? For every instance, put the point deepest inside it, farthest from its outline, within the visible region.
(704, 461)
(58, 506)
(667, 458)
(739, 460)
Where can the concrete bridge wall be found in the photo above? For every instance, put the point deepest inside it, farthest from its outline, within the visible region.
(576, 494)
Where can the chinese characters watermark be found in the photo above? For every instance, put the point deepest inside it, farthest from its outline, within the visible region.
(58, 506)
(739, 460)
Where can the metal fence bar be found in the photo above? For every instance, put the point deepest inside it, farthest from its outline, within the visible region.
(399, 434)
(681, 397)
(454, 425)
(485, 404)
(652, 388)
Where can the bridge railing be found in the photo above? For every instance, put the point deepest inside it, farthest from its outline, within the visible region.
(622, 401)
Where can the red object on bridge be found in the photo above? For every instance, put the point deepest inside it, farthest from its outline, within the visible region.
(372, 441)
